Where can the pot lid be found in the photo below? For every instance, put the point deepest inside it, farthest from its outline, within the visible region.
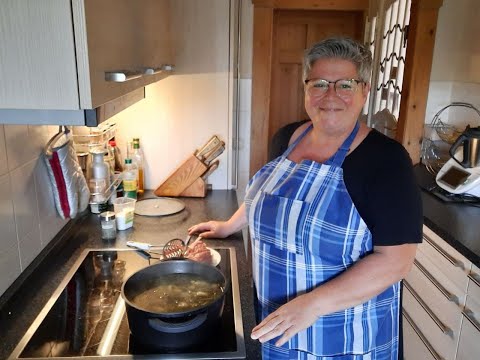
(159, 207)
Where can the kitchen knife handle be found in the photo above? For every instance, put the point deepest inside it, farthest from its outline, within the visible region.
(212, 155)
(208, 147)
(139, 245)
(213, 166)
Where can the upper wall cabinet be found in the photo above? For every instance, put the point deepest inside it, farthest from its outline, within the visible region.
(80, 54)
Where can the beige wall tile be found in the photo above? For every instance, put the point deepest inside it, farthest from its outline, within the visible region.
(7, 219)
(9, 256)
(49, 220)
(25, 199)
(28, 218)
(9, 266)
(3, 152)
(29, 246)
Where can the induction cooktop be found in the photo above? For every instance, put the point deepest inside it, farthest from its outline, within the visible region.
(86, 315)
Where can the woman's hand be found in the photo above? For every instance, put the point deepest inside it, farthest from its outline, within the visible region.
(221, 229)
(286, 321)
(211, 229)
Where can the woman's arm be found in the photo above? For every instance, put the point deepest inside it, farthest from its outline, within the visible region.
(221, 229)
(365, 279)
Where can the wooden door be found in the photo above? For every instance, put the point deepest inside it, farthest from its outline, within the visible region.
(293, 32)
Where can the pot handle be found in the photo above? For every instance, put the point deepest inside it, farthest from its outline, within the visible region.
(460, 141)
(175, 328)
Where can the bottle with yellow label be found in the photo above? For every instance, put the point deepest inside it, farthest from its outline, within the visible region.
(138, 161)
(129, 179)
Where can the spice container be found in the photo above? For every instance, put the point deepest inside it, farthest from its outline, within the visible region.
(109, 228)
(124, 208)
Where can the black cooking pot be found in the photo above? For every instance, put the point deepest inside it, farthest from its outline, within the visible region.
(178, 330)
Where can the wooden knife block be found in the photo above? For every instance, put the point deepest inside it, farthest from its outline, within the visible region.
(185, 180)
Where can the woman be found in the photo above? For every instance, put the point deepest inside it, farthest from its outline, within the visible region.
(334, 223)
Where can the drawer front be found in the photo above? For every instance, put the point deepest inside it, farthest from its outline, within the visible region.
(449, 289)
(453, 265)
(414, 347)
(474, 284)
(472, 307)
(444, 344)
(469, 344)
(446, 313)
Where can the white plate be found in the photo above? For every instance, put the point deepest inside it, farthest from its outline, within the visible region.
(216, 257)
(158, 207)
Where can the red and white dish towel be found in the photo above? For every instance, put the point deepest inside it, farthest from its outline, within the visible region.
(69, 187)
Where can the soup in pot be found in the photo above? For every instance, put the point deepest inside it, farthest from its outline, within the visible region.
(178, 293)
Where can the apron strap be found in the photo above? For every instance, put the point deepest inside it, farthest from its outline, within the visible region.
(297, 140)
(337, 158)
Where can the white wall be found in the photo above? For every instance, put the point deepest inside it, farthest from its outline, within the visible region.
(245, 94)
(455, 72)
(28, 219)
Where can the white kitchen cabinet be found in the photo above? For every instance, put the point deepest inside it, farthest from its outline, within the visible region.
(470, 333)
(434, 298)
(59, 54)
(418, 346)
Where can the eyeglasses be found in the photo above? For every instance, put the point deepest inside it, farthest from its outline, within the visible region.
(343, 87)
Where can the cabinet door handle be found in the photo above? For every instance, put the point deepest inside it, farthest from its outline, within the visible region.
(442, 252)
(468, 315)
(472, 276)
(443, 328)
(421, 336)
(122, 75)
(153, 71)
(435, 282)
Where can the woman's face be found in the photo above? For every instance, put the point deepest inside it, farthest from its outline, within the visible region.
(331, 112)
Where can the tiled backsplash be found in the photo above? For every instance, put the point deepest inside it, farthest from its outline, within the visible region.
(443, 93)
(28, 219)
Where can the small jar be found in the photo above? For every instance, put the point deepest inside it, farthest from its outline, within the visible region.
(109, 228)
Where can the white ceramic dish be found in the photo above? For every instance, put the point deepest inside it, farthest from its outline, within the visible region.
(216, 257)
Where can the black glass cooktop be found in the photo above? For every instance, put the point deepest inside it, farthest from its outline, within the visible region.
(86, 316)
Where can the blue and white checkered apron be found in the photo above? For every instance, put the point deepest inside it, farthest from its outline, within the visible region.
(305, 230)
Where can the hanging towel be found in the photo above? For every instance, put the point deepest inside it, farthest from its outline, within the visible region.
(69, 187)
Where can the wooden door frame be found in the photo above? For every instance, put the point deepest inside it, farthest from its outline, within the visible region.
(423, 20)
(416, 79)
(262, 63)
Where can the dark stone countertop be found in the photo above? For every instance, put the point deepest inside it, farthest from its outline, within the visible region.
(457, 224)
(24, 300)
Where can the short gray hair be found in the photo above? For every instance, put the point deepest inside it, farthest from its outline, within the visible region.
(340, 48)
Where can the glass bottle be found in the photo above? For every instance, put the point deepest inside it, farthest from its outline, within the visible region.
(138, 160)
(130, 179)
(99, 172)
(117, 156)
(110, 160)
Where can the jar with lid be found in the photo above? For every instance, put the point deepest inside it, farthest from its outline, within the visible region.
(109, 227)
